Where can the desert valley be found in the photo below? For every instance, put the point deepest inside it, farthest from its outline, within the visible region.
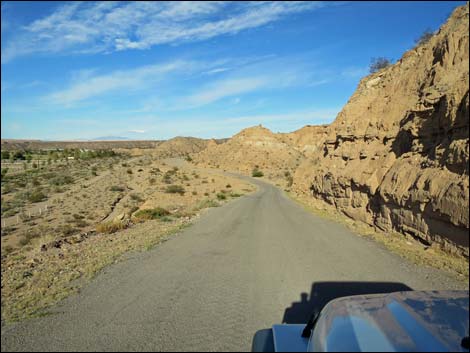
(393, 168)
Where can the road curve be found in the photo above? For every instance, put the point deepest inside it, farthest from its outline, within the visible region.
(235, 271)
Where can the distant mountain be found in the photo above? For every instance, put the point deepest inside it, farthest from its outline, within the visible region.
(110, 138)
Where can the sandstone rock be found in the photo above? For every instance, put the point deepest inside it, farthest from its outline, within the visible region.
(397, 155)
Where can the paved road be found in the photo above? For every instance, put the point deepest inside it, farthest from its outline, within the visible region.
(235, 271)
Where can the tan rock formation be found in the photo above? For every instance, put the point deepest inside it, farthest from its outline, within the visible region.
(397, 155)
(255, 146)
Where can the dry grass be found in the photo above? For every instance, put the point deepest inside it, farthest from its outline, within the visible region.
(32, 284)
(110, 227)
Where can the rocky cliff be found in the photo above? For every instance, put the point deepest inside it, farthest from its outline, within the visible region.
(397, 155)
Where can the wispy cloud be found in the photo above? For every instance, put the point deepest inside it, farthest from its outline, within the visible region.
(226, 88)
(97, 85)
(112, 26)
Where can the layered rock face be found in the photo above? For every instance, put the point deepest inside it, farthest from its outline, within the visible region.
(397, 155)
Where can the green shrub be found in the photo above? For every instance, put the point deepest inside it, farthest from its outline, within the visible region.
(61, 180)
(175, 189)
(221, 196)
(154, 213)
(234, 194)
(37, 196)
(256, 173)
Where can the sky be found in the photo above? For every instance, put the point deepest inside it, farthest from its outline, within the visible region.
(156, 70)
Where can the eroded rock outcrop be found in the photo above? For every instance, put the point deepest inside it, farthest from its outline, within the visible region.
(255, 146)
(397, 155)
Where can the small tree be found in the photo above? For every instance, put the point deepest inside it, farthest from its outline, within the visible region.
(377, 64)
(424, 37)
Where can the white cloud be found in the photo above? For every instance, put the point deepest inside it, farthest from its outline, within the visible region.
(226, 88)
(138, 131)
(92, 86)
(111, 26)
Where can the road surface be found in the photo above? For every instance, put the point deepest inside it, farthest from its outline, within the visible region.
(240, 268)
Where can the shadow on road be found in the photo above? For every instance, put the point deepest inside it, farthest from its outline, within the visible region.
(323, 292)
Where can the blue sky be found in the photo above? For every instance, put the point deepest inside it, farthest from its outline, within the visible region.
(206, 69)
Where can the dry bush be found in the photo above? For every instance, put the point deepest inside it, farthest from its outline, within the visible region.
(110, 227)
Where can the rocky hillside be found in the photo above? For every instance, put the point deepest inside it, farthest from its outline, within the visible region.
(180, 147)
(397, 155)
(255, 146)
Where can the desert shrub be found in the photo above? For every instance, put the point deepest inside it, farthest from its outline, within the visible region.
(67, 229)
(185, 177)
(35, 165)
(424, 37)
(289, 178)
(61, 180)
(35, 182)
(116, 188)
(154, 213)
(221, 196)
(175, 189)
(206, 194)
(24, 241)
(204, 182)
(228, 186)
(256, 173)
(5, 155)
(125, 164)
(7, 249)
(140, 170)
(234, 194)
(167, 178)
(206, 203)
(152, 181)
(136, 197)
(188, 159)
(129, 171)
(377, 64)
(133, 209)
(77, 216)
(194, 192)
(37, 196)
(4, 172)
(81, 223)
(110, 227)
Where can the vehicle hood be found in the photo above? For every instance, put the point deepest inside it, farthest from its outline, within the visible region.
(402, 321)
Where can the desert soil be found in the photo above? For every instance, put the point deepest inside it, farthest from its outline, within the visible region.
(235, 271)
